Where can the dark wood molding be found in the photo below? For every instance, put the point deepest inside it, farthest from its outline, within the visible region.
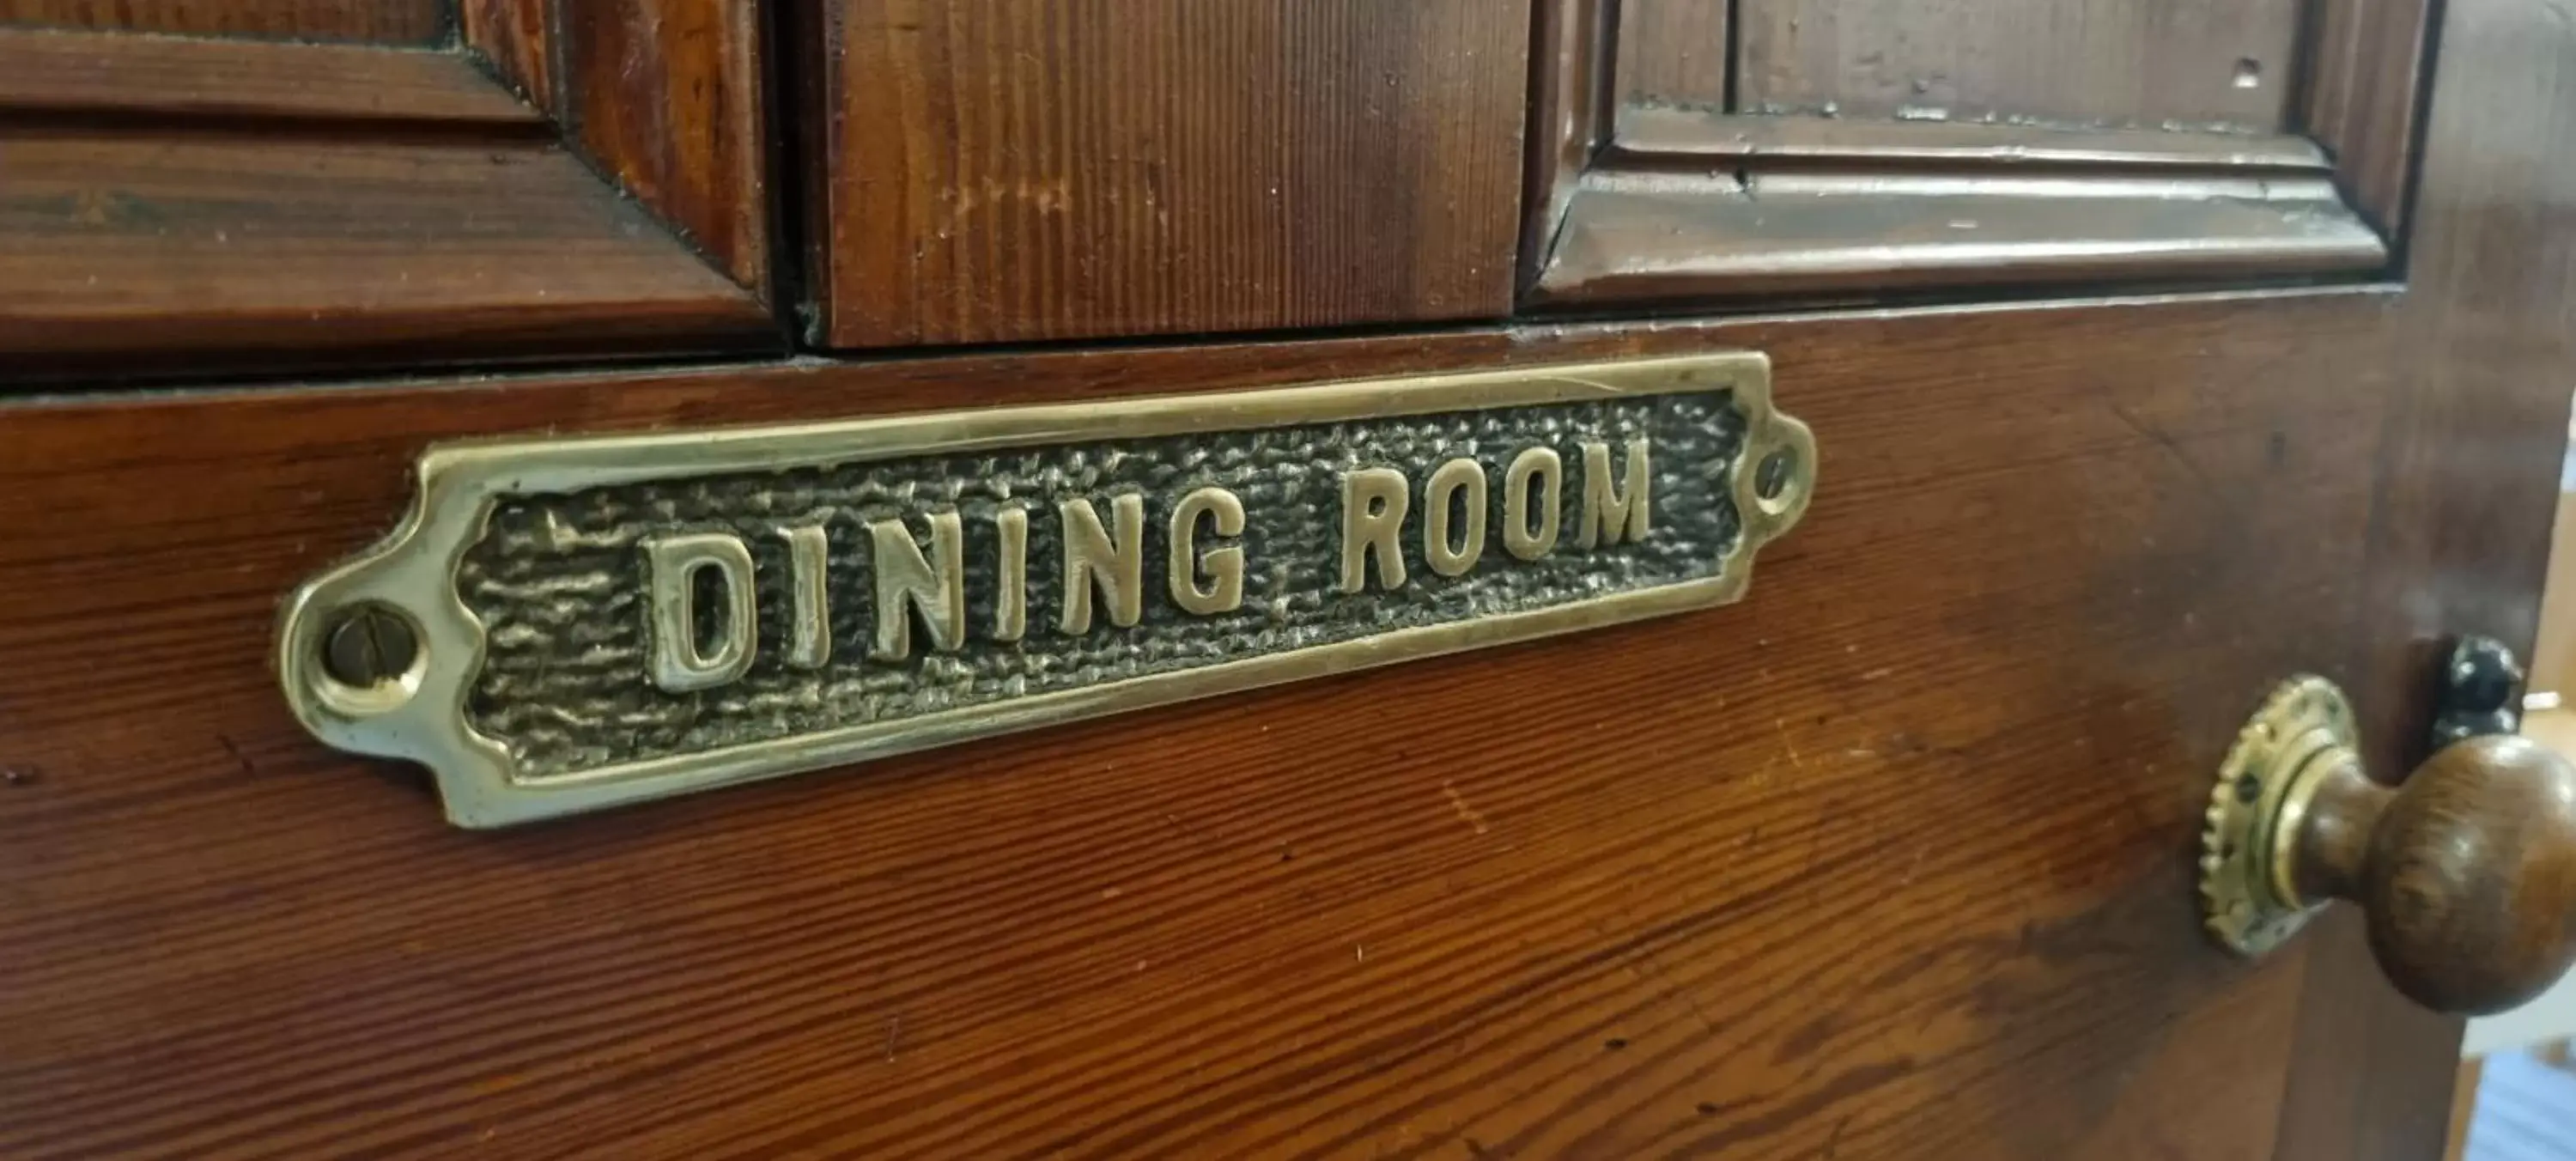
(420, 23)
(513, 40)
(1667, 203)
(1569, 116)
(158, 251)
(1801, 234)
(2366, 71)
(187, 206)
(172, 78)
(1690, 139)
(667, 97)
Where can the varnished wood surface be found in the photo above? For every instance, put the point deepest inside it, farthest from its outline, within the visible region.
(143, 249)
(2469, 479)
(1672, 53)
(514, 40)
(182, 206)
(2365, 69)
(1642, 237)
(1891, 860)
(1887, 860)
(668, 97)
(388, 21)
(1572, 110)
(1691, 139)
(1636, 202)
(1011, 171)
(2466, 873)
(2125, 62)
(173, 79)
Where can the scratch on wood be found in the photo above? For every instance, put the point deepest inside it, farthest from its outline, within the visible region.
(1782, 728)
(240, 760)
(1466, 813)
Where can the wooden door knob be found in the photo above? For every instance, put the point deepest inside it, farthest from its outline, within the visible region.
(2466, 871)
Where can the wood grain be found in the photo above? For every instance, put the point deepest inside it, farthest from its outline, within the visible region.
(1888, 859)
(2119, 62)
(513, 39)
(1673, 53)
(667, 96)
(1008, 170)
(2365, 72)
(1631, 238)
(2469, 479)
(2466, 872)
(169, 78)
(146, 249)
(384, 21)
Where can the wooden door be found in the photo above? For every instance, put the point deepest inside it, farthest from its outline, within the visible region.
(1893, 857)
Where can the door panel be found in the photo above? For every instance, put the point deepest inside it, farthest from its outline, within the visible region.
(2201, 63)
(1890, 855)
(1014, 171)
(1841, 150)
(573, 180)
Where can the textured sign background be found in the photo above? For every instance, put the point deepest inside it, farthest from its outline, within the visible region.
(559, 581)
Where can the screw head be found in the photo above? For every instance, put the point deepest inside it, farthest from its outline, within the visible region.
(1771, 476)
(368, 646)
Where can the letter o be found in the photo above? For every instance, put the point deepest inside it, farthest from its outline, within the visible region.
(1451, 556)
(1520, 538)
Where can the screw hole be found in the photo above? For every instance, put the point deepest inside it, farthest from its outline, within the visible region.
(2249, 73)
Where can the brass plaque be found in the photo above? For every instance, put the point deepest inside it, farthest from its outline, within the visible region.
(561, 625)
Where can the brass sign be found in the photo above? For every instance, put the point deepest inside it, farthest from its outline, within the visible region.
(562, 625)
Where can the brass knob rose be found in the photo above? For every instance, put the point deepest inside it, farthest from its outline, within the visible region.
(2465, 872)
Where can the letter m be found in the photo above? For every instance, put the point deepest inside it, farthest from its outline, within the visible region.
(1613, 510)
